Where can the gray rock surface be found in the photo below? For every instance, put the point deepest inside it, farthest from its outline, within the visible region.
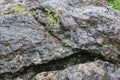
(24, 42)
(97, 70)
(86, 25)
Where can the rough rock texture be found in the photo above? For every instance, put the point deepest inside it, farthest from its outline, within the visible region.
(24, 42)
(90, 71)
(87, 25)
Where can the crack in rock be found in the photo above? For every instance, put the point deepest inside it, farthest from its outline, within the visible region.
(28, 72)
(92, 28)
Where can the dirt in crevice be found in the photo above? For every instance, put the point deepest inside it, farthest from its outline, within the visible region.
(28, 72)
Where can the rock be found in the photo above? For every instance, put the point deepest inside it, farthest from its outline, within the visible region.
(19, 79)
(87, 25)
(97, 70)
(24, 42)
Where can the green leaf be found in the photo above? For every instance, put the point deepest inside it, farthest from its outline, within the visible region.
(55, 15)
(65, 43)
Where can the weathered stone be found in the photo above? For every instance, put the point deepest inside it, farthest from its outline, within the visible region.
(87, 25)
(24, 42)
(97, 70)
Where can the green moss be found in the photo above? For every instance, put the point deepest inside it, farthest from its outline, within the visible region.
(18, 8)
(115, 4)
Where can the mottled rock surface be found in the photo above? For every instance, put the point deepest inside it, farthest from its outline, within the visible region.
(24, 42)
(90, 71)
(87, 25)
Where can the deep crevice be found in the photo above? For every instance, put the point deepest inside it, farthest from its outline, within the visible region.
(28, 72)
(77, 58)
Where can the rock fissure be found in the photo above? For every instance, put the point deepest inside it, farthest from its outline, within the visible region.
(88, 31)
(28, 72)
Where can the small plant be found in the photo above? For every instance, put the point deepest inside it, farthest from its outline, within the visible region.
(52, 17)
(65, 43)
(115, 4)
(18, 8)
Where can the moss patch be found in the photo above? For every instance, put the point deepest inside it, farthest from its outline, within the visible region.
(18, 8)
(115, 4)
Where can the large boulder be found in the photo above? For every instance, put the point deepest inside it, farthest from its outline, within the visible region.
(24, 42)
(87, 26)
(83, 25)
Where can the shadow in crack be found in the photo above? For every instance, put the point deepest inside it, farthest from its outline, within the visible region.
(28, 72)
